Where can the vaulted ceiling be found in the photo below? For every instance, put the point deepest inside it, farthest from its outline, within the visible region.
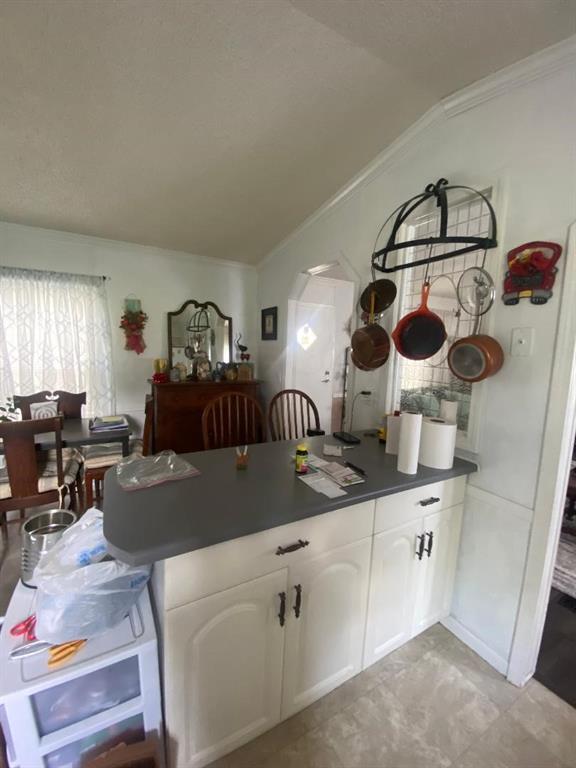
(216, 126)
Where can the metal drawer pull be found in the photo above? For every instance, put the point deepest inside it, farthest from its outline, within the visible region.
(420, 548)
(427, 502)
(282, 614)
(430, 535)
(292, 548)
(298, 604)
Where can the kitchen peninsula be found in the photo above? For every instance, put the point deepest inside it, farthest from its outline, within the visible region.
(270, 595)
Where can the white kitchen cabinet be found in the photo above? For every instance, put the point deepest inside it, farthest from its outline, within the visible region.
(223, 670)
(325, 623)
(393, 590)
(436, 581)
(411, 580)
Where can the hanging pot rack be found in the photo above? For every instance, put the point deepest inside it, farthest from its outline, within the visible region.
(463, 243)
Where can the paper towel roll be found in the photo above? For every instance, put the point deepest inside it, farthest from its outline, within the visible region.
(409, 442)
(449, 410)
(392, 433)
(437, 443)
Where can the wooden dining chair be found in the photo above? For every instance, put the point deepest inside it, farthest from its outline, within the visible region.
(70, 403)
(23, 402)
(31, 477)
(232, 419)
(292, 414)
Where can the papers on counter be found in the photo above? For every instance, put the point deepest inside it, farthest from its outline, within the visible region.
(321, 484)
(332, 450)
(328, 477)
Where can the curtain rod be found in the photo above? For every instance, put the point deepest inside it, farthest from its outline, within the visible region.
(54, 272)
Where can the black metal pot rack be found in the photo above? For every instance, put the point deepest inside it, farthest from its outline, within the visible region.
(468, 242)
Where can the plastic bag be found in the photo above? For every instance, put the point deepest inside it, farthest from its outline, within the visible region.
(80, 594)
(133, 474)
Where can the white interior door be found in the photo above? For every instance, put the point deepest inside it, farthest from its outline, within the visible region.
(223, 670)
(325, 624)
(312, 346)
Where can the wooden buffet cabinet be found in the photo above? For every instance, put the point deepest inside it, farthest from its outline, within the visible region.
(177, 411)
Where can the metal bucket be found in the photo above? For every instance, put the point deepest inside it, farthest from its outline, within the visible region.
(39, 534)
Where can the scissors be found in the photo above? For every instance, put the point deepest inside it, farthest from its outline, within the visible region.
(26, 628)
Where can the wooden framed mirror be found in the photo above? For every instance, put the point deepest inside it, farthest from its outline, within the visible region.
(199, 329)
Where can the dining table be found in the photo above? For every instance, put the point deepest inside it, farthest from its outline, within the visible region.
(76, 433)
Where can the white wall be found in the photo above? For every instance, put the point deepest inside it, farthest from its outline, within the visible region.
(519, 137)
(163, 280)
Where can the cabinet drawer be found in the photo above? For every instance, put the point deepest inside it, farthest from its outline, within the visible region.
(206, 571)
(400, 508)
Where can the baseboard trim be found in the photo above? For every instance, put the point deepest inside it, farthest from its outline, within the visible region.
(478, 646)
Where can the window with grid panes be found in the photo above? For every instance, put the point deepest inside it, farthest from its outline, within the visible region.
(420, 385)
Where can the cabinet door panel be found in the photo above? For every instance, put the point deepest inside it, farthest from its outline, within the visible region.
(223, 672)
(324, 645)
(393, 590)
(438, 570)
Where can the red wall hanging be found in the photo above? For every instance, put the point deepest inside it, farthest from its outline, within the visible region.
(531, 272)
(132, 323)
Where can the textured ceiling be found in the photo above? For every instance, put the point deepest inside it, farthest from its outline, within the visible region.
(217, 126)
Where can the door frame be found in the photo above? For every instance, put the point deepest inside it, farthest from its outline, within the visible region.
(557, 446)
(298, 286)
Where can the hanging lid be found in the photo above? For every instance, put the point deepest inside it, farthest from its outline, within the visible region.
(460, 243)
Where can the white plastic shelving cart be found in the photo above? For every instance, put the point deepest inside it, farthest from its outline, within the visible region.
(108, 693)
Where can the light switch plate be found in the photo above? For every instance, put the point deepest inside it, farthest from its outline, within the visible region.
(522, 342)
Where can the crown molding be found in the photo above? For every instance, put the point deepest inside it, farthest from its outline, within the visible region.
(9, 228)
(536, 66)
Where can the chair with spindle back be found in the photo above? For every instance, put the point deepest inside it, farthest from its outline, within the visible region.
(31, 477)
(292, 414)
(232, 419)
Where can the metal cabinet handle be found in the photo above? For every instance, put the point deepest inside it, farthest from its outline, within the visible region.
(427, 502)
(282, 614)
(420, 547)
(298, 603)
(292, 548)
(430, 535)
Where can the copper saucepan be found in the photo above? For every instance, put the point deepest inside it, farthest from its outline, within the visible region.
(421, 333)
(370, 344)
(475, 358)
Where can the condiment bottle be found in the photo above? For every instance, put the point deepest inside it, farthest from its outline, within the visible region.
(301, 463)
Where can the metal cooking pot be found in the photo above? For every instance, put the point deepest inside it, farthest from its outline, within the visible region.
(370, 346)
(475, 358)
(39, 534)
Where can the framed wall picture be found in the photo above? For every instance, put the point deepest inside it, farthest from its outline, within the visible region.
(270, 324)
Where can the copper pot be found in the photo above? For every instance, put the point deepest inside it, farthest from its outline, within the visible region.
(370, 346)
(475, 358)
(361, 366)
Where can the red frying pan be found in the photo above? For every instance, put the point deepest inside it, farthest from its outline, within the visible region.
(421, 333)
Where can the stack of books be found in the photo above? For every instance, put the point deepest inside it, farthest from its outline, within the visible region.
(108, 423)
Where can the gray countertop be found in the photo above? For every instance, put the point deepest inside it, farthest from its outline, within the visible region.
(223, 503)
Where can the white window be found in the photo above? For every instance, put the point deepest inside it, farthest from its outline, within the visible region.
(420, 385)
(55, 334)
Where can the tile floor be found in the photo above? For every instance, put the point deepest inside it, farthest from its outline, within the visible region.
(431, 704)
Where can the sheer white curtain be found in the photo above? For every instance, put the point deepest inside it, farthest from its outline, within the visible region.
(55, 334)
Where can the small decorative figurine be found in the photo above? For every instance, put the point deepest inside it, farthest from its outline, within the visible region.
(243, 353)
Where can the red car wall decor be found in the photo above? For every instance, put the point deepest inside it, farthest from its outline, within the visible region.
(531, 272)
